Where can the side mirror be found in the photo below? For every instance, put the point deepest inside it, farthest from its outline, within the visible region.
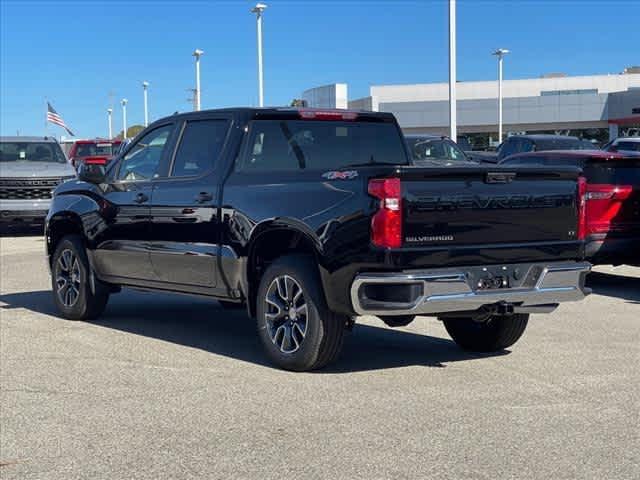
(92, 173)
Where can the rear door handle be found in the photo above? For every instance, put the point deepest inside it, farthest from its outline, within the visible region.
(141, 198)
(204, 197)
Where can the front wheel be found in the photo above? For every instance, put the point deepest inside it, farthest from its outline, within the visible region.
(78, 295)
(296, 328)
(494, 334)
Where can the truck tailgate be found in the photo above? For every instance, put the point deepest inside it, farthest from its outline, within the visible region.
(489, 205)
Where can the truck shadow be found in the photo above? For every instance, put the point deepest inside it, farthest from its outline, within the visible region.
(614, 285)
(21, 231)
(203, 324)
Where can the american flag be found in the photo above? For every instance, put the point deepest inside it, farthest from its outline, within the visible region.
(53, 117)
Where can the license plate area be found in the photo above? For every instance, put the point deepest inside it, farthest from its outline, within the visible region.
(499, 277)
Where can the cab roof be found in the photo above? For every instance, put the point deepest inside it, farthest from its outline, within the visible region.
(292, 113)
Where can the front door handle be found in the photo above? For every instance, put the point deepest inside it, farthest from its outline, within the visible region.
(141, 198)
(204, 197)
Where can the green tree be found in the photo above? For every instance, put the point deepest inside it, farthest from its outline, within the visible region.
(132, 131)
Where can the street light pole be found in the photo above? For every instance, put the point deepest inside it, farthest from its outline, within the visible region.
(145, 85)
(500, 53)
(124, 118)
(197, 53)
(109, 112)
(453, 120)
(258, 10)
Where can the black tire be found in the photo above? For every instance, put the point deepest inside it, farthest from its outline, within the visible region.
(493, 335)
(323, 330)
(398, 320)
(88, 303)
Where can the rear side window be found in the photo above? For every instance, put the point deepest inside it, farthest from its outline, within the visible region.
(199, 148)
(623, 172)
(630, 146)
(286, 145)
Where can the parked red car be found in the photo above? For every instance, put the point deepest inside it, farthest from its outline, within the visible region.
(93, 151)
(612, 213)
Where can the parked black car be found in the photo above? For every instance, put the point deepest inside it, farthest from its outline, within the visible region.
(530, 143)
(311, 217)
(612, 210)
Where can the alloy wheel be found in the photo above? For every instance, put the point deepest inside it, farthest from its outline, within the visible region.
(68, 277)
(286, 314)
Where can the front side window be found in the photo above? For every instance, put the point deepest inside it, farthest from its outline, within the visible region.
(143, 159)
(200, 147)
(321, 145)
(31, 152)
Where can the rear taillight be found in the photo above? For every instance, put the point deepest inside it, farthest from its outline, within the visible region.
(386, 224)
(603, 206)
(96, 160)
(582, 208)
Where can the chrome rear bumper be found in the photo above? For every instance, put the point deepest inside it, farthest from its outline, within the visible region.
(533, 288)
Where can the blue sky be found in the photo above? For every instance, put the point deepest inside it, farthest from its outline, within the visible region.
(74, 53)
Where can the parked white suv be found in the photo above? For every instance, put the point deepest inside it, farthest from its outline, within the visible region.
(30, 168)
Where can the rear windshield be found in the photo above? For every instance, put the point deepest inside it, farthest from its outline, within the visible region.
(95, 149)
(31, 152)
(623, 172)
(281, 145)
(561, 144)
(630, 146)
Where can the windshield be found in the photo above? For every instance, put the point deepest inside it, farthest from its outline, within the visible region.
(31, 152)
(95, 149)
(436, 149)
(321, 145)
(560, 144)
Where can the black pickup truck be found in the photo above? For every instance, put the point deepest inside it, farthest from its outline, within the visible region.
(311, 218)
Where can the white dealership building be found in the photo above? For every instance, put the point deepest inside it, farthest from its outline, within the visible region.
(594, 106)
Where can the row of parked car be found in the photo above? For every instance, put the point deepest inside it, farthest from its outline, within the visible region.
(612, 175)
(309, 218)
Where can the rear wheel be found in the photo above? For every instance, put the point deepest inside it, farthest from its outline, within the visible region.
(494, 334)
(295, 326)
(78, 295)
(398, 320)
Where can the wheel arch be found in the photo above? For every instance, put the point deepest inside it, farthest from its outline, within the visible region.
(58, 226)
(274, 239)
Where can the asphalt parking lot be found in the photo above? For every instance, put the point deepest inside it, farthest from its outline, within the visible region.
(175, 387)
